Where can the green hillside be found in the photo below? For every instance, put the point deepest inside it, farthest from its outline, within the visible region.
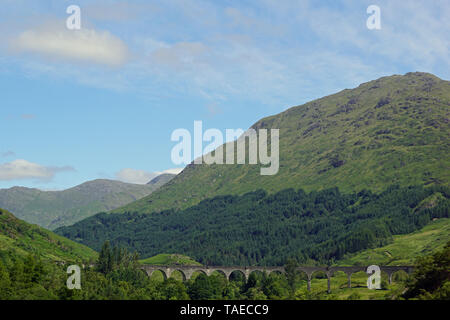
(394, 130)
(405, 249)
(52, 209)
(258, 228)
(19, 238)
(165, 259)
(162, 179)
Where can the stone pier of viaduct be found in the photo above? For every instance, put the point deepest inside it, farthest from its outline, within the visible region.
(188, 271)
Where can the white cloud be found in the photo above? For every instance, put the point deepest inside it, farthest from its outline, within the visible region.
(181, 55)
(22, 169)
(89, 45)
(276, 54)
(135, 176)
(141, 176)
(173, 171)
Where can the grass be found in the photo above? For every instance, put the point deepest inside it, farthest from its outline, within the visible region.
(404, 249)
(21, 238)
(358, 291)
(170, 259)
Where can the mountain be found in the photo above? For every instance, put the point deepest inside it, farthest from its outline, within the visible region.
(162, 179)
(394, 130)
(52, 209)
(19, 238)
(362, 165)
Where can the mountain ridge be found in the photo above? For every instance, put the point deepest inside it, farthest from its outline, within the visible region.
(162, 179)
(52, 209)
(393, 130)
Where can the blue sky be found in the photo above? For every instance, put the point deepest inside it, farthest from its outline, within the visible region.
(102, 102)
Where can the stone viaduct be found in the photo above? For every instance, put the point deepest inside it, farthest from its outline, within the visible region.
(188, 271)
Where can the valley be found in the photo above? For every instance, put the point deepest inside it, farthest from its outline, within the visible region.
(363, 179)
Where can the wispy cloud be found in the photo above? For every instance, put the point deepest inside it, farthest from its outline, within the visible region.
(276, 53)
(55, 41)
(135, 176)
(22, 169)
(118, 11)
(28, 116)
(141, 176)
(213, 109)
(7, 154)
(173, 171)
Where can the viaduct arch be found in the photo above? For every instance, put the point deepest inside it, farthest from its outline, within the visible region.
(188, 271)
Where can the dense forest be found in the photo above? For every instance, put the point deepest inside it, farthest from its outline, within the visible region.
(117, 275)
(267, 229)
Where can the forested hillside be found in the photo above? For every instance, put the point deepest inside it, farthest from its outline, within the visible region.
(260, 228)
